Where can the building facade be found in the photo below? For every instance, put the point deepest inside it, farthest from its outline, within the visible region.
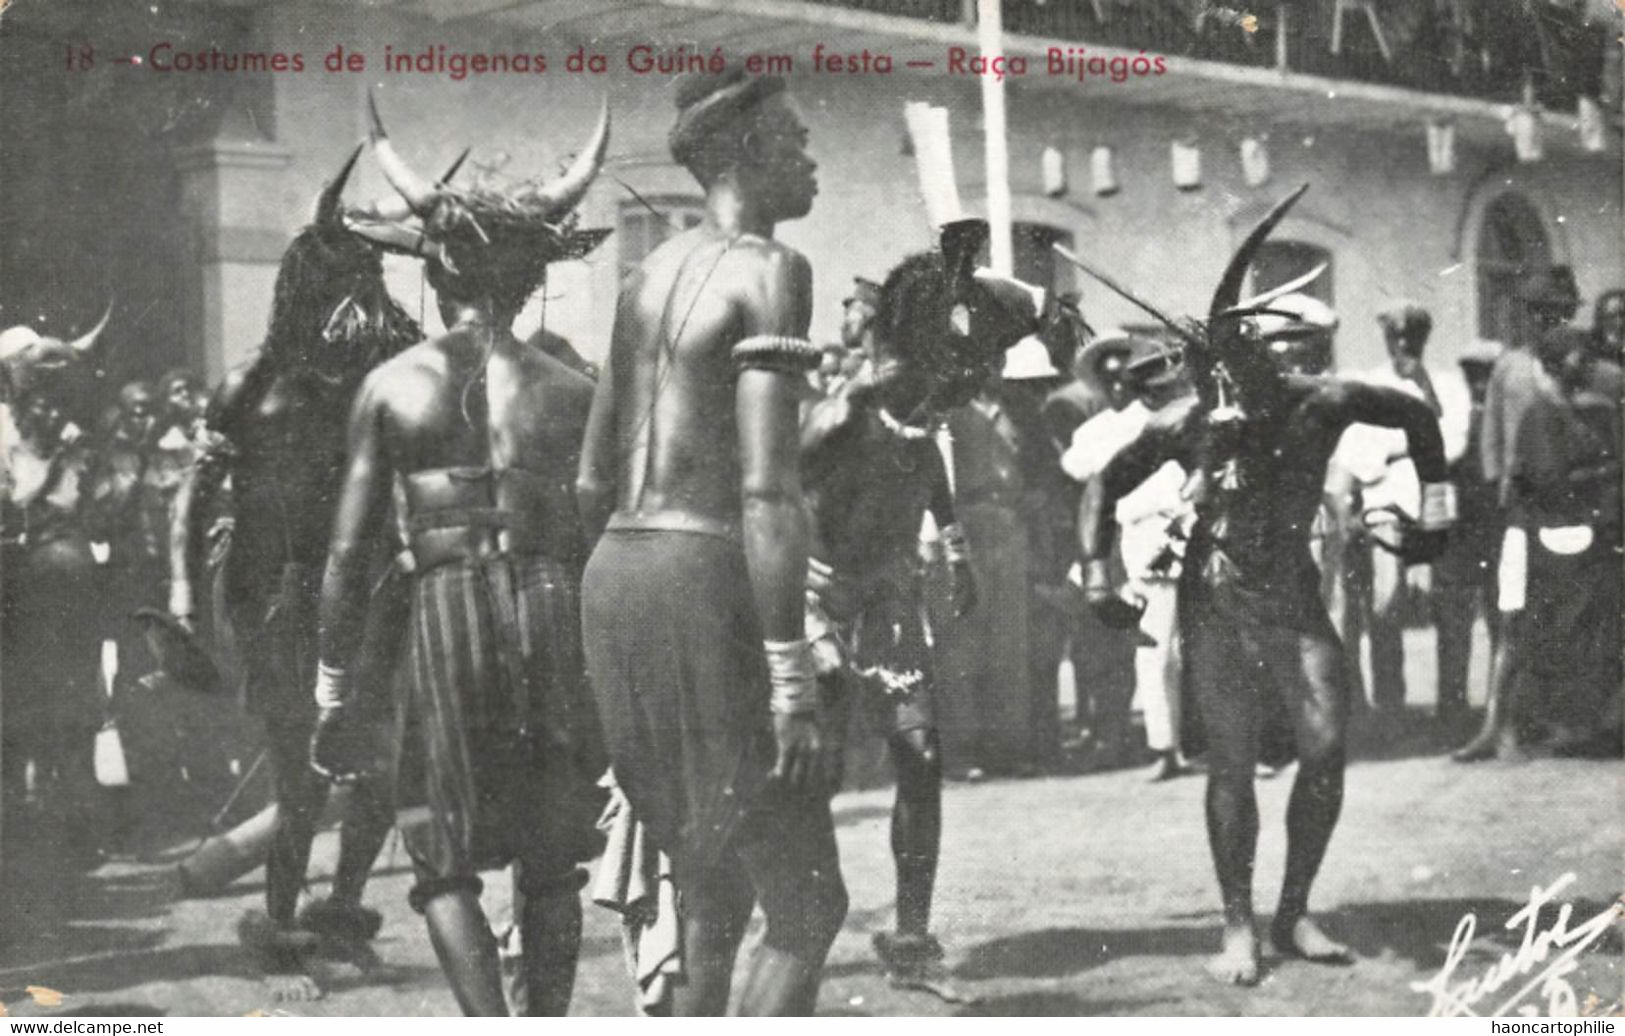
(174, 190)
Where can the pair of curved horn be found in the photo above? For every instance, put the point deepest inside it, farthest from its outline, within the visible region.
(420, 195)
(1229, 291)
(397, 208)
(327, 209)
(1265, 298)
(87, 341)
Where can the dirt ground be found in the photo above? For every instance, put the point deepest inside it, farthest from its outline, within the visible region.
(1077, 895)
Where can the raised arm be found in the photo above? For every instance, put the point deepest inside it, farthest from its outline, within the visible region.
(1361, 403)
(1138, 460)
(1132, 463)
(1390, 408)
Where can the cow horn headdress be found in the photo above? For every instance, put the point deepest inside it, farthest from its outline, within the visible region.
(431, 219)
(1223, 321)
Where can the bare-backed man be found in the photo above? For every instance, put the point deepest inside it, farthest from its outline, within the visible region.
(693, 599)
(275, 437)
(481, 434)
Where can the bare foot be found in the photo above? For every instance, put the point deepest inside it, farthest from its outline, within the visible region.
(1478, 749)
(1303, 938)
(1237, 963)
(1166, 768)
(293, 988)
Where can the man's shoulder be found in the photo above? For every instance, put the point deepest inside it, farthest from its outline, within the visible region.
(560, 378)
(405, 371)
(767, 249)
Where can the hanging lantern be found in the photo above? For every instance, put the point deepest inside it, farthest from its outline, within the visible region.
(1187, 163)
(1592, 134)
(1523, 124)
(1255, 162)
(1101, 171)
(1441, 147)
(1053, 165)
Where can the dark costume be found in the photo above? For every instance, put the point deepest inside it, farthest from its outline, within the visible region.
(497, 694)
(674, 648)
(1565, 499)
(1253, 625)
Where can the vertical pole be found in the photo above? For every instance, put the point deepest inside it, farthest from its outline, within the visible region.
(1281, 28)
(990, 37)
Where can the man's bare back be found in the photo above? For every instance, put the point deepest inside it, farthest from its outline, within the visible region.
(676, 430)
(479, 398)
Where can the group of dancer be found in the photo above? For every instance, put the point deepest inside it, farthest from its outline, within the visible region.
(692, 572)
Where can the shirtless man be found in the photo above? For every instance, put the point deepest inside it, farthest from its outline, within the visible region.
(481, 434)
(870, 477)
(1257, 443)
(275, 431)
(693, 606)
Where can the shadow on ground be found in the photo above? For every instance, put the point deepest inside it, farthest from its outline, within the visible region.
(1060, 952)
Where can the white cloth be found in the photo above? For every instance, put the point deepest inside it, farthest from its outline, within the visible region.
(1145, 513)
(1102, 437)
(1157, 669)
(634, 880)
(1512, 578)
(1144, 517)
(1378, 459)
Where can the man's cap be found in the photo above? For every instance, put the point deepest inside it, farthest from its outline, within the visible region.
(706, 101)
(1406, 318)
(1027, 360)
(1296, 316)
(1152, 363)
(1551, 286)
(864, 291)
(1480, 352)
(1104, 357)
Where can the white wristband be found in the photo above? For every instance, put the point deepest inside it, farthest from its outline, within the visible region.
(792, 673)
(955, 545)
(333, 687)
(1438, 506)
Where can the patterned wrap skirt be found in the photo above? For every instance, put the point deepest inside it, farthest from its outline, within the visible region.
(507, 744)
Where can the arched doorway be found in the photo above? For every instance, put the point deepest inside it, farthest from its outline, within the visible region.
(1512, 242)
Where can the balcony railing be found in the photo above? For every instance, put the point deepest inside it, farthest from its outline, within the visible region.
(1484, 49)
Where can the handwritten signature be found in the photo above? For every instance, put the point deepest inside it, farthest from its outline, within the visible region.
(1455, 998)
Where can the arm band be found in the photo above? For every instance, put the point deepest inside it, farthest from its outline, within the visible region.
(955, 547)
(1438, 505)
(334, 686)
(776, 353)
(792, 672)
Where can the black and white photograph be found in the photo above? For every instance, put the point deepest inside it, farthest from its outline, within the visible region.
(902, 508)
